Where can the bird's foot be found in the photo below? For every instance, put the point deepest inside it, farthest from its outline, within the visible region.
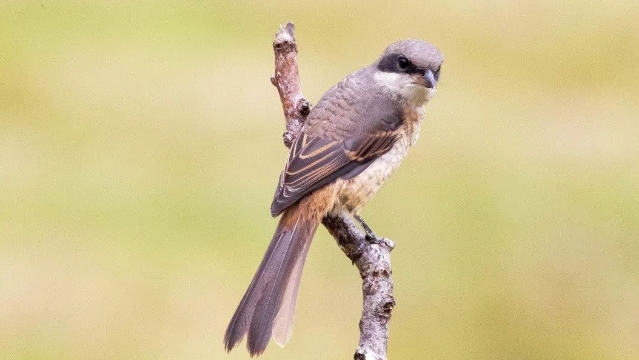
(370, 235)
(373, 239)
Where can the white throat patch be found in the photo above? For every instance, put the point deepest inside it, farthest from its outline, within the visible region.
(402, 87)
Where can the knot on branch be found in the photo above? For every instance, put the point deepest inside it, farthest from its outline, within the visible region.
(388, 306)
(366, 354)
(388, 244)
(305, 107)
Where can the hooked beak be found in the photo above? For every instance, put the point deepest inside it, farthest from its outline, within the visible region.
(429, 77)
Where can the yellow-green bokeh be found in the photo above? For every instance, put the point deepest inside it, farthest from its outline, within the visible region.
(140, 147)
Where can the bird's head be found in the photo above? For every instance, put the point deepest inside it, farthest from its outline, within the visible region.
(409, 70)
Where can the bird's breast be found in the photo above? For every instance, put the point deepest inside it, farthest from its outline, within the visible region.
(356, 192)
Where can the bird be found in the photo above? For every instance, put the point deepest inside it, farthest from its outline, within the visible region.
(352, 141)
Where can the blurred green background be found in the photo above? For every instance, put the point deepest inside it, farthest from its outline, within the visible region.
(140, 145)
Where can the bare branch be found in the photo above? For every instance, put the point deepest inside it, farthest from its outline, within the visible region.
(287, 82)
(371, 258)
(373, 262)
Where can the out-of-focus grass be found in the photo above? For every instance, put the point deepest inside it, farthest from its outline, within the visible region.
(140, 146)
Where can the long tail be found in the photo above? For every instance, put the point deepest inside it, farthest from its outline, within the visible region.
(268, 306)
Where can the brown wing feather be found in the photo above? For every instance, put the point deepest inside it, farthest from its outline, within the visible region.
(323, 160)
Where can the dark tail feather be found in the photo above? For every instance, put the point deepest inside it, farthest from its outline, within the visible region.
(270, 299)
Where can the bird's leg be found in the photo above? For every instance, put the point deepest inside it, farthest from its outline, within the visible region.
(370, 235)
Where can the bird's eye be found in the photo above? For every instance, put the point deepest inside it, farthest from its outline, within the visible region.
(403, 62)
